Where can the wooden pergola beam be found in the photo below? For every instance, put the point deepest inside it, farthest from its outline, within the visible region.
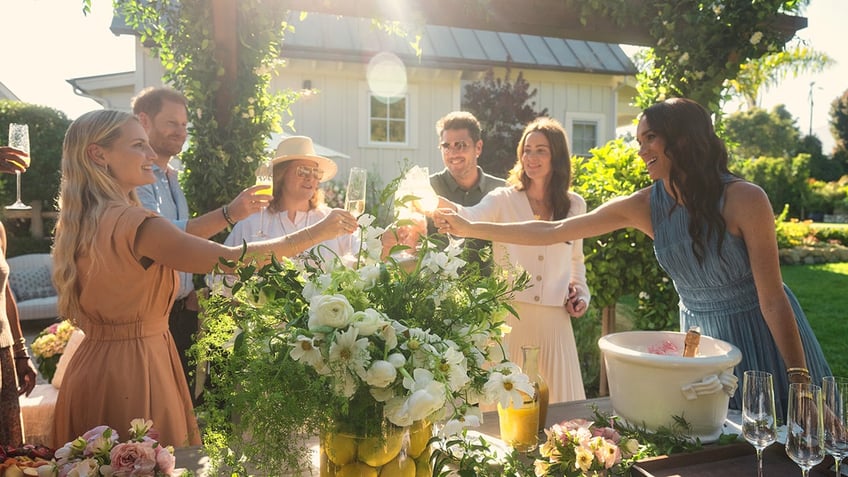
(553, 18)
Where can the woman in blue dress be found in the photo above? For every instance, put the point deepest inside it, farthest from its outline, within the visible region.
(713, 233)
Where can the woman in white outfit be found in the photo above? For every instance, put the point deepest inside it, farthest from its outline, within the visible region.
(298, 202)
(538, 188)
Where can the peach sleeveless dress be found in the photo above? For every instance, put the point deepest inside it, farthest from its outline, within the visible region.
(127, 366)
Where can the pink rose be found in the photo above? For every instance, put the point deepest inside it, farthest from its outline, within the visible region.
(97, 432)
(133, 459)
(607, 433)
(165, 460)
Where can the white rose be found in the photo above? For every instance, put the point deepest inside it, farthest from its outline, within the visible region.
(380, 374)
(368, 321)
(398, 360)
(329, 310)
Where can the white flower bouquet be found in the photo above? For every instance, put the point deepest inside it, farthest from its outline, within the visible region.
(356, 340)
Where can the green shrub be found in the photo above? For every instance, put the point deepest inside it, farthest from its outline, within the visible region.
(47, 128)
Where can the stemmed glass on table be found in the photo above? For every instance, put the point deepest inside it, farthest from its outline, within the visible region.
(264, 177)
(19, 139)
(835, 397)
(759, 420)
(805, 426)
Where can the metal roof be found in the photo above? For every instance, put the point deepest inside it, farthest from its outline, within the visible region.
(352, 39)
(320, 36)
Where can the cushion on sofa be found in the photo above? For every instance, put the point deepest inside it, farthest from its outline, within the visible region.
(29, 283)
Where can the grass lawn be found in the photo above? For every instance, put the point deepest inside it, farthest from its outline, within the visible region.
(822, 291)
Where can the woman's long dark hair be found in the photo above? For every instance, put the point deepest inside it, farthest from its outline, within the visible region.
(698, 162)
(557, 192)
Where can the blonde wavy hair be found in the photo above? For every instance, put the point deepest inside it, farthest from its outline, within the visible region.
(86, 190)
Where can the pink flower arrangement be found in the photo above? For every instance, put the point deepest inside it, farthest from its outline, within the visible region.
(98, 453)
(578, 448)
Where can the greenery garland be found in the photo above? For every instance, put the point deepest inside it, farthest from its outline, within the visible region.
(699, 44)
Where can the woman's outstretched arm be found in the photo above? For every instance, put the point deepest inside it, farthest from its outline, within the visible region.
(623, 212)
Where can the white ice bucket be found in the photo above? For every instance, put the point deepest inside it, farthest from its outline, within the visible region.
(649, 389)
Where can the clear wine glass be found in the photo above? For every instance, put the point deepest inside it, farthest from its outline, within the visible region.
(19, 139)
(835, 397)
(355, 194)
(805, 426)
(759, 420)
(264, 177)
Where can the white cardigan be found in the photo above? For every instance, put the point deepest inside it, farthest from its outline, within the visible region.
(551, 267)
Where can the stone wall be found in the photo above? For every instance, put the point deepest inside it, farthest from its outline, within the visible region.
(808, 254)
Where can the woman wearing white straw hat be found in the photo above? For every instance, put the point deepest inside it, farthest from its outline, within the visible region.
(298, 200)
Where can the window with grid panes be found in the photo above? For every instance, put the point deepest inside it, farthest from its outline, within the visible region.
(388, 119)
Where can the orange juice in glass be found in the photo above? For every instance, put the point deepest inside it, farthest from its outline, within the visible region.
(520, 425)
(264, 177)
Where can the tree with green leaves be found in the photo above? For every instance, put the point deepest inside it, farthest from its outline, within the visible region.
(503, 109)
(698, 45)
(839, 129)
(756, 132)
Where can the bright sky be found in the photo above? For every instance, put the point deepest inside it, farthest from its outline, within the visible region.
(57, 42)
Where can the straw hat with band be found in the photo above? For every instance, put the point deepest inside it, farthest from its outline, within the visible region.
(300, 147)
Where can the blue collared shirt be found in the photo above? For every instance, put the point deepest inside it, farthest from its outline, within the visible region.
(165, 197)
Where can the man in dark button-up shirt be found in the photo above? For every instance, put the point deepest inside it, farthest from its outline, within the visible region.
(462, 181)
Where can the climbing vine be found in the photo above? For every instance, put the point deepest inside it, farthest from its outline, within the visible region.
(224, 149)
(699, 44)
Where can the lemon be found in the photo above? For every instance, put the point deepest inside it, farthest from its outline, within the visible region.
(357, 469)
(376, 451)
(400, 466)
(419, 434)
(422, 466)
(340, 448)
(328, 469)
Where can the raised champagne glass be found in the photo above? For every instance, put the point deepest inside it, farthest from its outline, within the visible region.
(264, 177)
(19, 139)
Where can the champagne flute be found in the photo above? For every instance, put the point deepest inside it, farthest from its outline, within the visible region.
(19, 139)
(264, 177)
(759, 422)
(805, 426)
(355, 194)
(835, 391)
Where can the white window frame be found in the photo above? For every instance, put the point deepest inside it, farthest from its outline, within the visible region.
(411, 119)
(600, 127)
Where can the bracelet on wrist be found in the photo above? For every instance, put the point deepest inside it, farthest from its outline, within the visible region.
(226, 211)
(804, 371)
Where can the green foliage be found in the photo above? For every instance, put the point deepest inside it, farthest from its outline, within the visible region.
(224, 148)
(784, 180)
(470, 457)
(839, 124)
(503, 110)
(47, 128)
(622, 262)
(790, 233)
(698, 45)
(822, 166)
(757, 132)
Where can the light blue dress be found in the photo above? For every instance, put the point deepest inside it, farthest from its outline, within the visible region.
(720, 297)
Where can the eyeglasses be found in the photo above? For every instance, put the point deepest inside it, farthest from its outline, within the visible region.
(306, 172)
(457, 146)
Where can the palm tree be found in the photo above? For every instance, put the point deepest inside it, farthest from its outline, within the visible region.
(770, 70)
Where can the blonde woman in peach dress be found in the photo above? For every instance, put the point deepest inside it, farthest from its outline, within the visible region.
(116, 273)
